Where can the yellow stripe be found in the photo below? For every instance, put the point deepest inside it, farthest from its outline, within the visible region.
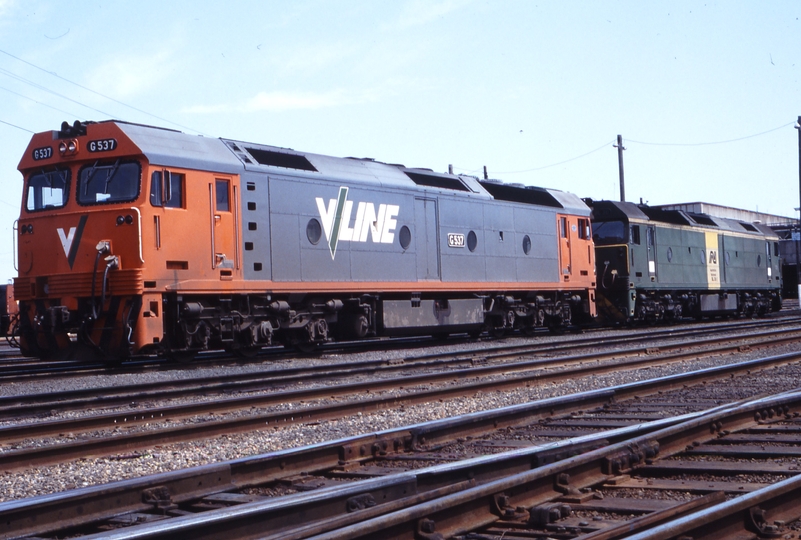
(712, 260)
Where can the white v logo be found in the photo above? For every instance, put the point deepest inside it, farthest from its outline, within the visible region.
(66, 240)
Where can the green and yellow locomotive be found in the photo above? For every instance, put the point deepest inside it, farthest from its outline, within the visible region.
(654, 264)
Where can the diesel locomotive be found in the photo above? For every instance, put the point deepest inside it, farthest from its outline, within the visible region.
(654, 264)
(8, 311)
(141, 240)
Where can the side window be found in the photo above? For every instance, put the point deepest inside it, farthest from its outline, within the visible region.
(167, 189)
(563, 227)
(584, 229)
(635, 234)
(776, 249)
(223, 204)
(650, 233)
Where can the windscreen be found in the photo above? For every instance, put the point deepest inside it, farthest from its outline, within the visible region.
(605, 233)
(109, 182)
(47, 190)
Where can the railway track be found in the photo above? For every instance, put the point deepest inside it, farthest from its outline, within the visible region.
(113, 432)
(608, 440)
(514, 357)
(368, 448)
(20, 369)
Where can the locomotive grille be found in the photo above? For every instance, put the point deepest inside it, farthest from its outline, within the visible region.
(121, 282)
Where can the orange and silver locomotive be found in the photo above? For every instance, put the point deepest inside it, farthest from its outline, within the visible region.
(140, 240)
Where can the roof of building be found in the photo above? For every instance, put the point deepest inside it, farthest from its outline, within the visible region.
(739, 214)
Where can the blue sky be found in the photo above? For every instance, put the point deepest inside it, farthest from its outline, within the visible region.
(521, 87)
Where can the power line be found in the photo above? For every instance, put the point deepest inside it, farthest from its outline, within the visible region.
(713, 142)
(14, 206)
(636, 142)
(52, 73)
(40, 87)
(16, 126)
(605, 145)
(37, 102)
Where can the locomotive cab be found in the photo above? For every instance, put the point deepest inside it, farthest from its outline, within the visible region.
(622, 256)
(95, 208)
(78, 238)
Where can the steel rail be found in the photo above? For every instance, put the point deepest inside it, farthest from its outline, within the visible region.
(36, 404)
(64, 369)
(761, 513)
(75, 368)
(41, 455)
(94, 503)
(486, 489)
(646, 334)
(517, 494)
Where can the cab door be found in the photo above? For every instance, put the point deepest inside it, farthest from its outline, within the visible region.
(769, 261)
(565, 256)
(425, 225)
(650, 234)
(224, 215)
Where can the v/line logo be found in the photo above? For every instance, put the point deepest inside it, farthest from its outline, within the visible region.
(70, 240)
(338, 227)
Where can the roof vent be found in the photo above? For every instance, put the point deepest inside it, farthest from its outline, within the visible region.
(280, 159)
(442, 182)
(525, 195)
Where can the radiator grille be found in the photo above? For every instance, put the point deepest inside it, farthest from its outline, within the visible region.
(120, 282)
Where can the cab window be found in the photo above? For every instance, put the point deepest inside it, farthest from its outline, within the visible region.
(223, 204)
(635, 234)
(109, 182)
(605, 233)
(584, 229)
(47, 190)
(167, 189)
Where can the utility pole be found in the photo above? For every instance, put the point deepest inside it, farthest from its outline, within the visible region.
(620, 149)
(798, 241)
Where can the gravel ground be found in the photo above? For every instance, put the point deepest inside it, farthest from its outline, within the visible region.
(81, 473)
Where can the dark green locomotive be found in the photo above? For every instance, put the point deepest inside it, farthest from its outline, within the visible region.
(654, 264)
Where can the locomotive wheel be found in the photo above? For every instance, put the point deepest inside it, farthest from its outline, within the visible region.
(498, 332)
(247, 353)
(355, 326)
(182, 357)
(307, 347)
(113, 360)
(529, 330)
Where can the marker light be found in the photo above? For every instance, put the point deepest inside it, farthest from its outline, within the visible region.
(68, 148)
